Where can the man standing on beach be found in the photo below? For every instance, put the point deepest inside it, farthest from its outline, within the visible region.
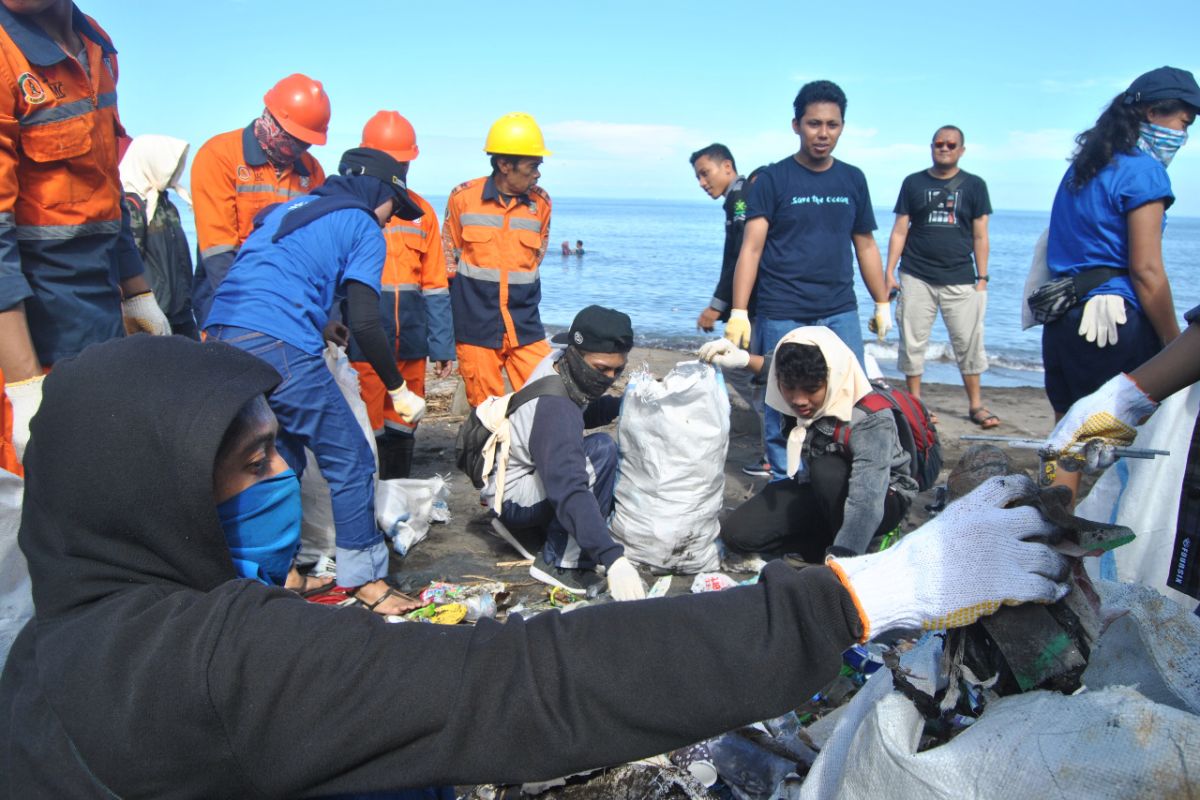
(238, 173)
(941, 222)
(717, 174)
(494, 234)
(801, 213)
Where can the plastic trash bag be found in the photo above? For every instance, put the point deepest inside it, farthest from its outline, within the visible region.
(316, 530)
(1143, 494)
(1112, 743)
(405, 507)
(672, 436)
(16, 597)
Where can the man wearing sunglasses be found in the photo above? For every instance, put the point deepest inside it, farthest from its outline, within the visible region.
(940, 241)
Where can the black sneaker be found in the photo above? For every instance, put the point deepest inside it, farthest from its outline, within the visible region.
(579, 582)
(758, 469)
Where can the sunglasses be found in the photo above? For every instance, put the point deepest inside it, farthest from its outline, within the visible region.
(942, 145)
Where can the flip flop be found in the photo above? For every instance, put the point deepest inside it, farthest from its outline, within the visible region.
(389, 593)
(983, 417)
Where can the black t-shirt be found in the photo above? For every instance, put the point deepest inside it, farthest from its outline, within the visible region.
(941, 244)
(735, 228)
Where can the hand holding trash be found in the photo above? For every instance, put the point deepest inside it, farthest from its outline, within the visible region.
(964, 564)
(142, 315)
(724, 353)
(1106, 418)
(1101, 316)
(737, 329)
(407, 403)
(624, 583)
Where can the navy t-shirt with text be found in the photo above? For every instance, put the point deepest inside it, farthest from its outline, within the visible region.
(806, 270)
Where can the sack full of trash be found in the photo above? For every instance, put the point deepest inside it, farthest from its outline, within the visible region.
(672, 436)
(405, 507)
(16, 597)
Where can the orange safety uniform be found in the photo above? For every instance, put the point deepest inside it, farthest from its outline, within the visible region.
(232, 181)
(65, 242)
(494, 248)
(414, 305)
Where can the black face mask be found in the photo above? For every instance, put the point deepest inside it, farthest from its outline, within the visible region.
(584, 382)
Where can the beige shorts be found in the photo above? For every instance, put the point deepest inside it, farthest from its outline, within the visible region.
(963, 310)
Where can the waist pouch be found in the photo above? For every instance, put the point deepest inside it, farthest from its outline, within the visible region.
(1051, 300)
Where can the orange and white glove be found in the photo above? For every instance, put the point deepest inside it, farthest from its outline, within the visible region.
(25, 397)
(142, 315)
(737, 329)
(963, 564)
(408, 404)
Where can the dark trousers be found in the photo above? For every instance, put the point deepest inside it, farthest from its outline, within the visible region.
(803, 518)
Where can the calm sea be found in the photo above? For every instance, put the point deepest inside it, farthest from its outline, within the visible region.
(658, 261)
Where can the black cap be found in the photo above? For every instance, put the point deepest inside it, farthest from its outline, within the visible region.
(381, 166)
(597, 329)
(1164, 83)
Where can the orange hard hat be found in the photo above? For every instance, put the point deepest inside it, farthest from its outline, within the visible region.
(301, 106)
(393, 134)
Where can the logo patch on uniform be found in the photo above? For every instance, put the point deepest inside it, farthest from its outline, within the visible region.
(31, 88)
(578, 337)
(303, 181)
(243, 173)
(739, 207)
(533, 206)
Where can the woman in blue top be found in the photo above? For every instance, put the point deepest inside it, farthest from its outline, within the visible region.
(1110, 212)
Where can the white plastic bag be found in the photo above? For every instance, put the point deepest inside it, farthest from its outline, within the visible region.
(1144, 495)
(316, 530)
(673, 436)
(405, 507)
(1112, 743)
(1039, 274)
(16, 598)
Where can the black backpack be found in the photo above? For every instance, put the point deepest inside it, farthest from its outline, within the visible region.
(473, 434)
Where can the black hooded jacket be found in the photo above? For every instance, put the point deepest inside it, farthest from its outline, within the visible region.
(150, 670)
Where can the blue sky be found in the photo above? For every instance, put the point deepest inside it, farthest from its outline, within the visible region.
(625, 91)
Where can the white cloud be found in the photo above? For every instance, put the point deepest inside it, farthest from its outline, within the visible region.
(1043, 144)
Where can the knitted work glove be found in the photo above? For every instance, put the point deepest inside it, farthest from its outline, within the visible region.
(964, 564)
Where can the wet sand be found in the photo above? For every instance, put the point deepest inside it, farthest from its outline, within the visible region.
(466, 550)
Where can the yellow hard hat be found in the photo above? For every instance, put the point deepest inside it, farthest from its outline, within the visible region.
(516, 134)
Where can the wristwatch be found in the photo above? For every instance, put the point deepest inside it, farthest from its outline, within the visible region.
(984, 278)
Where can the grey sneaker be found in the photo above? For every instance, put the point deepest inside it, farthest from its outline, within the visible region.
(758, 469)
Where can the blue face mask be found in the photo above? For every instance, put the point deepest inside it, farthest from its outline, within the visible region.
(262, 528)
(1160, 142)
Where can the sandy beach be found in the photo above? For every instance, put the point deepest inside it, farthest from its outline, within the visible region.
(466, 550)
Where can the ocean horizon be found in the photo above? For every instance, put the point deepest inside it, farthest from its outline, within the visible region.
(658, 261)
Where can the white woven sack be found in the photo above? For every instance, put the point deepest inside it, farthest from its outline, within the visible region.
(672, 436)
(16, 598)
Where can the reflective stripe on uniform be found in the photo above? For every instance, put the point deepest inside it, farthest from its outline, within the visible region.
(525, 224)
(439, 290)
(266, 188)
(405, 229)
(400, 287)
(6, 219)
(45, 232)
(468, 270)
(483, 220)
(217, 249)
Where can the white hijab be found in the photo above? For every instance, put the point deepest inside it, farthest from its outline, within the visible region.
(847, 384)
(152, 164)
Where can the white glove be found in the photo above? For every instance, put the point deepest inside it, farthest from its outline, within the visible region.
(25, 396)
(962, 565)
(624, 583)
(737, 328)
(724, 353)
(1101, 316)
(881, 323)
(1106, 418)
(409, 405)
(142, 315)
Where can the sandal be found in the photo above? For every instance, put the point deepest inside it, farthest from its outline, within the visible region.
(983, 417)
(313, 586)
(389, 593)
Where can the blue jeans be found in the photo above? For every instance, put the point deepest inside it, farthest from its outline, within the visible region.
(562, 549)
(765, 335)
(313, 413)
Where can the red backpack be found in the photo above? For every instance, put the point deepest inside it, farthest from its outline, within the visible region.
(918, 436)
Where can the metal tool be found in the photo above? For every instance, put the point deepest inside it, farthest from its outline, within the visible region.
(1047, 457)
